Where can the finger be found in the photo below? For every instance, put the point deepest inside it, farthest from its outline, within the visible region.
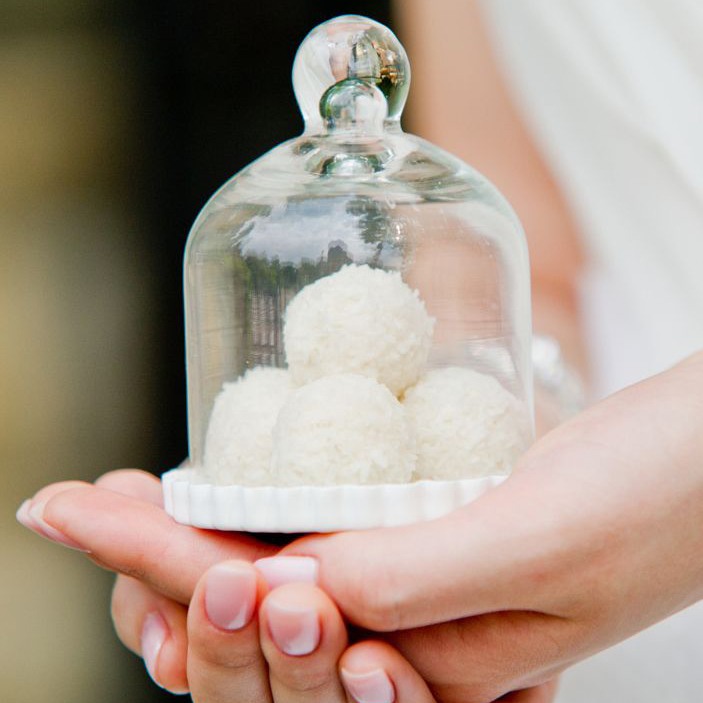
(485, 657)
(225, 663)
(302, 636)
(139, 539)
(153, 627)
(31, 514)
(133, 482)
(375, 672)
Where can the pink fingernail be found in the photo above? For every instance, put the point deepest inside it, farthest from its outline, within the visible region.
(23, 516)
(294, 630)
(154, 634)
(230, 595)
(278, 571)
(369, 687)
(31, 515)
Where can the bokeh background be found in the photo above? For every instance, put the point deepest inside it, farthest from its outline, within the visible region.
(117, 121)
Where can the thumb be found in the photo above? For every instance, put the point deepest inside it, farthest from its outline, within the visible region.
(464, 564)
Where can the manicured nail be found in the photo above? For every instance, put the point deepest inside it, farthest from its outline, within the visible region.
(369, 687)
(278, 571)
(295, 630)
(230, 595)
(31, 516)
(154, 634)
(23, 516)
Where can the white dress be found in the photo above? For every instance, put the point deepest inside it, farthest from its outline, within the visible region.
(613, 93)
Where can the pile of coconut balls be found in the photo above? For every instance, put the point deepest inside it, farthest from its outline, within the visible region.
(356, 404)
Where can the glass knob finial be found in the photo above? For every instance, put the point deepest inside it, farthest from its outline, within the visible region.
(350, 73)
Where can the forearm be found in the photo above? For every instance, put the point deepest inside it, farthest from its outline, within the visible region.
(460, 101)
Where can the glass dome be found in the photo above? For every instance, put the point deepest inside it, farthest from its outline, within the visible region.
(354, 190)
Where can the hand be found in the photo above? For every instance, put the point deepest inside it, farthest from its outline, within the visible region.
(226, 661)
(595, 537)
(246, 643)
(562, 560)
(166, 582)
(222, 647)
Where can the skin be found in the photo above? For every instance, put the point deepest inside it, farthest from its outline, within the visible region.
(563, 560)
(245, 664)
(198, 656)
(460, 101)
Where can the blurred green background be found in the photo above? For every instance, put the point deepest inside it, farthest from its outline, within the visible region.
(117, 121)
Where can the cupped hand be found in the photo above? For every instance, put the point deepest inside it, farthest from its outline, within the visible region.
(237, 639)
(245, 643)
(593, 538)
(122, 527)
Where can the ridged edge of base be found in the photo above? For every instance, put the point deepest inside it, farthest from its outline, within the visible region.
(313, 508)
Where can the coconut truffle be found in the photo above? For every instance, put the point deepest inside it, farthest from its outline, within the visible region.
(358, 320)
(342, 429)
(238, 442)
(466, 425)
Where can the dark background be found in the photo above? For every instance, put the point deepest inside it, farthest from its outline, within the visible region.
(217, 93)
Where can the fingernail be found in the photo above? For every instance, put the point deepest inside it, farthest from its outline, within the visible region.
(230, 595)
(278, 571)
(369, 687)
(154, 634)
(294, 630)
(23, 516)
(31, 516)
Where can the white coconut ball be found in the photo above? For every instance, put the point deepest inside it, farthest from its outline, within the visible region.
(466, 425)
(358, 320)
(342, 429)
(238, 442)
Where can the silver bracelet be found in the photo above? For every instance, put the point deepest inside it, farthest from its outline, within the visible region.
(559, 389)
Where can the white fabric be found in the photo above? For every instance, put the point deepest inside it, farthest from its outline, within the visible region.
(613, 93)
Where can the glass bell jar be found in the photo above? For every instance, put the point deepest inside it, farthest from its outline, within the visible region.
(351, 283)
